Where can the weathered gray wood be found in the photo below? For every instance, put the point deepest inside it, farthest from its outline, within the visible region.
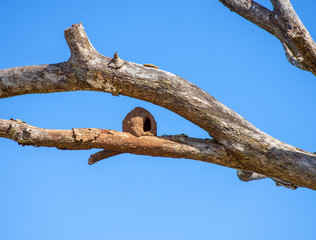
(253, 150)
(285, 25)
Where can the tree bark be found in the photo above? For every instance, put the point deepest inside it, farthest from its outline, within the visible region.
(285, 25)
(244, 146)
(173, 146)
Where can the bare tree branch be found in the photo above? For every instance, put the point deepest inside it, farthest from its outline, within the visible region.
(174, 146)
(247, 176)
(285, 25)
(87, 69)
(259, 15)
(101, 155)
(254, 12)
(295, 29)
(295, 61)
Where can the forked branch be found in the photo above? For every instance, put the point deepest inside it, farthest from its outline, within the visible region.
(285, 25)
(243, 146)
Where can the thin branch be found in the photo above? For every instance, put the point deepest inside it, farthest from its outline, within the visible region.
(247, 176)
(259, 15)
(305, 45)
(254, 12)
(101, 155)
(295, 61)
(297, 32)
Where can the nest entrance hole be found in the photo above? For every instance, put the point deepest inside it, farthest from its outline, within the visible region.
(147, 125)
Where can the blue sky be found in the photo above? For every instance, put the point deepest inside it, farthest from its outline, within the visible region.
(52, 194)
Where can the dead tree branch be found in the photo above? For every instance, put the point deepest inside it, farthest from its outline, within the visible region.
(252, 149)
(285, 25)
(174, 146)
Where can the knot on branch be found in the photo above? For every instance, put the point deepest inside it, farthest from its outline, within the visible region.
(296, 32)
(140, 122)
(116, 62)
(19, 132)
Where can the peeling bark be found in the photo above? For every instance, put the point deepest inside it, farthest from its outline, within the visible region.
(237, 143)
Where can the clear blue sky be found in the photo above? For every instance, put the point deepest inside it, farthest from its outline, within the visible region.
(49, 194)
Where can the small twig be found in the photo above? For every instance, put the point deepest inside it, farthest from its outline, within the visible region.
(98, 156)
(247, 176)
(297, 62)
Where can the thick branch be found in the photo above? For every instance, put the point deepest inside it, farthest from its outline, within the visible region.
(89, 70)
(177, 146)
